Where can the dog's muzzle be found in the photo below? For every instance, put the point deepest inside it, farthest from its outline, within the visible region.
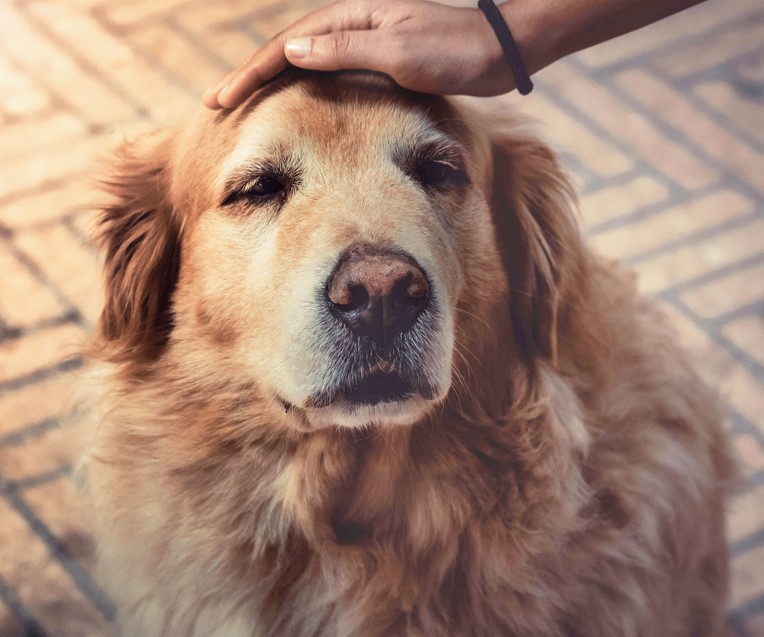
(382, 317)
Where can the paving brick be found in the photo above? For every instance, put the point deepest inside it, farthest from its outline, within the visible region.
(56, 449)
(624, 123)
(726, 45)
(69, 524)
(233, 47)
(712, 361)
(127, 13)
(84, 223)
(727, 293)
(19, 96)
(744, 112)
(23, 137)
(49, 203)
(117, 63)
(56, 69)
(687, 262)
(613, 202)
(688, 24)
(750, 454)
(23, 299)
(744, 392)
(39, 349)
(80, 31)
(744, 514)
(747, 576)
(43, 586)
(576, 177)
(46, 400)
(711, 137)
(580, 141)
(10, 625)
(670, 225)
(748, 334)
(748, 74)
(221, 29)
(36, 171)
(88, 5)
(754, 627)
(229, 14)
(269, 22)
(76, 272)
(176, 52)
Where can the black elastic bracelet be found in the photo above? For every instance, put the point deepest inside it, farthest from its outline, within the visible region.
(508, 46)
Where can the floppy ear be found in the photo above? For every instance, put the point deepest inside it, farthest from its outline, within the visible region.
(539, 241)
(138, 233)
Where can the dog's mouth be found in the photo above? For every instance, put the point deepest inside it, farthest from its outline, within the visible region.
(360, 382)
(377, 386)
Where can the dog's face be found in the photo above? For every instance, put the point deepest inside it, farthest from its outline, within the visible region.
(332, 244)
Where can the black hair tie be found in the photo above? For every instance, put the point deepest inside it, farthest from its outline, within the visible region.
(508, 46)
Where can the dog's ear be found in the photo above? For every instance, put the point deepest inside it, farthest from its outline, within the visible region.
(539, 240)
(139, 235)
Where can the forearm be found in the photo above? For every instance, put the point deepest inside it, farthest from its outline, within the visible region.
(547, 30)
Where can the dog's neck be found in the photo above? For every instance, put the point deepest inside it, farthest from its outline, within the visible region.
(348, 487)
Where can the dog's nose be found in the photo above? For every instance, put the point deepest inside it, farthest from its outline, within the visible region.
(377, 292)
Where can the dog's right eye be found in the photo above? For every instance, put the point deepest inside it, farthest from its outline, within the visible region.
(435, 173)
(264, 187)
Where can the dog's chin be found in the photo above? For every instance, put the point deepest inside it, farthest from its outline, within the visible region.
(383, 397)
(407, 410)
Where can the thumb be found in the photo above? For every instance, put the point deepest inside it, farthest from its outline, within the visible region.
(334, 51)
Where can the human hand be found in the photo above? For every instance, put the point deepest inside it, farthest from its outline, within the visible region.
(423, 46)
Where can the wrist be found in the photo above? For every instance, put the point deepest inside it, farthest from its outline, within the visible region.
(539, 38)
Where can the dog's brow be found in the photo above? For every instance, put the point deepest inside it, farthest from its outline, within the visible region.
(241, 176)
(435, 147)
(264, 159)
(256, 147)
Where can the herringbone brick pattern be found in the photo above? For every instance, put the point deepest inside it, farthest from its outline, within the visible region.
(662, 130)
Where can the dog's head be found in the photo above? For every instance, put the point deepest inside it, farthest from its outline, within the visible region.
(349, 249)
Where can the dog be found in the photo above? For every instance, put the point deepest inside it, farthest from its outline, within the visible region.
(357, 374)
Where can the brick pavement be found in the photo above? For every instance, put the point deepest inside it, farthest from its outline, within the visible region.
(663, 132)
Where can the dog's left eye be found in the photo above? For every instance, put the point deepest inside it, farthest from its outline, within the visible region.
(264, 187)
(436, 173)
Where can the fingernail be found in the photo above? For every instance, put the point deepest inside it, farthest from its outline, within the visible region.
(215, 88)
(299, 48)
(224, 95)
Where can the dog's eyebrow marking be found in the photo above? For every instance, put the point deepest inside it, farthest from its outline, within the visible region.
(429, 143)
(412, 154)
(438, 149)
(255, 145)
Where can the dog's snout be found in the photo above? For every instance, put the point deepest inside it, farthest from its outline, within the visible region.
(377, 292)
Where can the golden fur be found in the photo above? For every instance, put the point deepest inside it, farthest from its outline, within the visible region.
(566, 478)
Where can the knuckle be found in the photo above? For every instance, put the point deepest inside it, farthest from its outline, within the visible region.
(398, 56)
(339, 44)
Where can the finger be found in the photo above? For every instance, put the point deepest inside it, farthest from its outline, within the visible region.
(270, 59)
(342, 50)
(243, 83)
(210, 96)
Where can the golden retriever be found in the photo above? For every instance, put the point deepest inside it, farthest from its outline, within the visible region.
(358, 375)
